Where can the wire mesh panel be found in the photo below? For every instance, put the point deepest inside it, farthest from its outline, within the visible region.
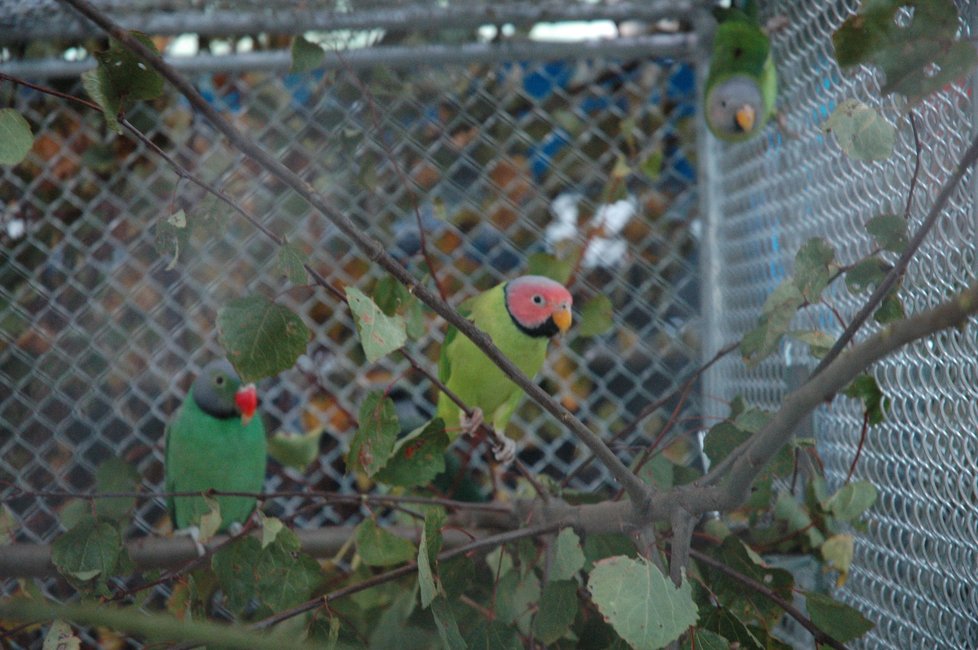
(913, 574)
(107, 316)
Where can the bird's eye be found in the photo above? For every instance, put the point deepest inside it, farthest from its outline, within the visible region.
(219, 380)
(537, 299)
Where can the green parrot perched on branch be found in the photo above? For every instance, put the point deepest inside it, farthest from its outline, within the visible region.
(521, 316)
(742, 83)
(215, 442)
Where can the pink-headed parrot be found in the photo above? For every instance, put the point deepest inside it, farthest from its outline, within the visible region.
(741, 86)
(520, 316)
(214, 441)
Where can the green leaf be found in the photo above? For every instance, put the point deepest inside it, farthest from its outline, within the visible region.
(270, 528)
(378, 547)
(891, 309)
(728, 626)
(492, 635)
(390, 295)
(261, 338)
(61, 637)
(116, 475)
(866, 274)
(549, 266)
(172, 237)
(96, 84)
(558, 608)
(515, 596)
(643, 606)
(431, 541)
(919, 56)
(658, 472)
(306, 55)
(208, 522)
(296, 450)
(889, 231)
(235, 567)
(129, 77)
(747, 604)
(862, 133)
(89, 551)
(818, 342)
(290, 263)
(418, 457)
(788, 510)
(605, 545)
(865, 388)
(596, 316)
(286, 575)
(652, 165)
(16, 138)
(836, 619)
(373, 443)
(752, 419)
(446, 624)
(723, 438)
(776, 315)
(837, 552)
(814, 265)
(379, 333)
(852, 500)
(568, 556)
(705, 640)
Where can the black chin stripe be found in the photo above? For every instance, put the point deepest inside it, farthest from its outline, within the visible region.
(547, 329)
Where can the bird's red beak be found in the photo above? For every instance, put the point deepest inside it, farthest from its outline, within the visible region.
(246, 399)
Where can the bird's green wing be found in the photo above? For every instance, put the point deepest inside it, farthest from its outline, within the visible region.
(444, 361)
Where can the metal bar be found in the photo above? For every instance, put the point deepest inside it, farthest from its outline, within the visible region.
(288, 20)
(658, 45)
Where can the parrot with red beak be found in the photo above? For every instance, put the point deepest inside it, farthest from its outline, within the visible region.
(214, 441)
(520, 316)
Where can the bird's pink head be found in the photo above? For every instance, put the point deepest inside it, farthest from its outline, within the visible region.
(539, 306)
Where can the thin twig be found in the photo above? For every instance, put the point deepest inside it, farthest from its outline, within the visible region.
(767, 592)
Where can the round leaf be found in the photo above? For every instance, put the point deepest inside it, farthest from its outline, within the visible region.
(261, 337)
(16, 138)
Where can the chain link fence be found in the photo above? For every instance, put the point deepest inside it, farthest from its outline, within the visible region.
(577, 149)
(589, 155)
(913, 572)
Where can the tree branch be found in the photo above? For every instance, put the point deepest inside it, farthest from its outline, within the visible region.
(149, 626)
(636, 489)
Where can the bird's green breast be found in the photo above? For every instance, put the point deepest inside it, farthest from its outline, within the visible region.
(204, 452)
(471, 374)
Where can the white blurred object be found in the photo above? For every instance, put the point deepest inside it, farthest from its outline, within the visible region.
(607, 248)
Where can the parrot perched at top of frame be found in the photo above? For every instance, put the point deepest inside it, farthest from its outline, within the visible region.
(742, 83)
(520, 316)
(215, 442)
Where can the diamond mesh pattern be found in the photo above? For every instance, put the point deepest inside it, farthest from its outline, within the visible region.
(100, 338)
(913, 571)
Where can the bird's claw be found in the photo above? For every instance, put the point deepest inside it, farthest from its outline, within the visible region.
(503, 449)
(471, 424)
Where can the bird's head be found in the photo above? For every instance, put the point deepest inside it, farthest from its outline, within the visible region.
(538, 306)
(734, 107)
(218, 392)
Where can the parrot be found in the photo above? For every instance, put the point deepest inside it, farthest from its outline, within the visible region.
(742, 84)
(520, 316)
(214, 441)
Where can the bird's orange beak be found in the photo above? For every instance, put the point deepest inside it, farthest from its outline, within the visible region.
(562, 318)
(246, 399)
(745, 118)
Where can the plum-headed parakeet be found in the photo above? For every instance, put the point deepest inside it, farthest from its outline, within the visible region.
(520, 316)
(215, 442)
(742, 84)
